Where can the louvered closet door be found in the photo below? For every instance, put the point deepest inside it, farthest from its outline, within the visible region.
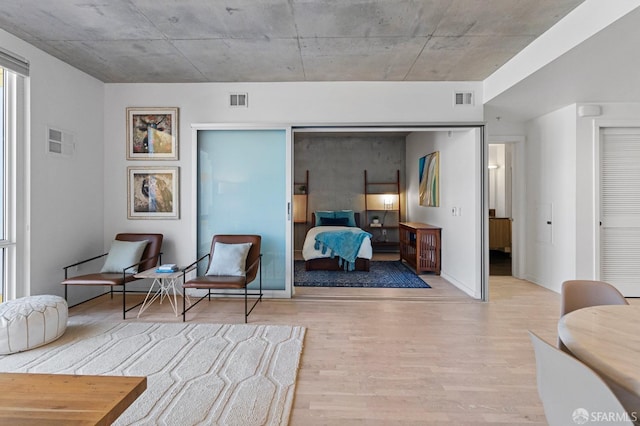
(620, 209)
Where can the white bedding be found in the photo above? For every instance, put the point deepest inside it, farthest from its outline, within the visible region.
(309, 252)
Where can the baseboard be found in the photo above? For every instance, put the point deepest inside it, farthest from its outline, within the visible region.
(470, 291)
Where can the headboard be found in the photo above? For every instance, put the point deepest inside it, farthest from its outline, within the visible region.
(356, 216)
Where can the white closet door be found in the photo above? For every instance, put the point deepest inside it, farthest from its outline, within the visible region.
(620, 209)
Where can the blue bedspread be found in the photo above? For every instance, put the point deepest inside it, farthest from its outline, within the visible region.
(344, 244)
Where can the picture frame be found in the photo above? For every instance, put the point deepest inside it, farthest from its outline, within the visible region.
(153, 192)
(152, 133)
(429, 178)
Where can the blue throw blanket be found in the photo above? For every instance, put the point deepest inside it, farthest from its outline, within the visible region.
(344, 244)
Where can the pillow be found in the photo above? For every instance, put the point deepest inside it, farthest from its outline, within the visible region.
(123, 254)
(323, 214)
(347, 214)
(229, 259)
(326, 221)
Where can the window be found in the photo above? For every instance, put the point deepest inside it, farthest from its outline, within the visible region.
(14, 71)
(10, 85)
(5, 244)
(3, 191)
(13, 87)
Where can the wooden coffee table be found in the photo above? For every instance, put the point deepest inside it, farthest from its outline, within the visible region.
(65, 399)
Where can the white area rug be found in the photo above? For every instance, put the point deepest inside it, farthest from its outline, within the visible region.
(196, 373)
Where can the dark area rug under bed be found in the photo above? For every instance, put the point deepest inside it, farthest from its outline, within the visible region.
(391, 274)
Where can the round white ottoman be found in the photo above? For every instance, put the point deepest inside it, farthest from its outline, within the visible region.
(31, 321)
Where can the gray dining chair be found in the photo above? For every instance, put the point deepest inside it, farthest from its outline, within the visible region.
(572, 393)
(578, 294)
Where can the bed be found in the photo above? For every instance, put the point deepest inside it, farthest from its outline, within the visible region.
(314, 257)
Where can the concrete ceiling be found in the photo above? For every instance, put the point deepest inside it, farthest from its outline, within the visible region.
(282, 40)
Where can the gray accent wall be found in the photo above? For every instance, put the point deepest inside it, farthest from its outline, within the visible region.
(336, 164)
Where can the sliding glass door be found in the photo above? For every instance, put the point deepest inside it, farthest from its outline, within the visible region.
(242, 189)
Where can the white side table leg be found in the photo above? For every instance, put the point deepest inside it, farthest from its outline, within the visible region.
(148, 301)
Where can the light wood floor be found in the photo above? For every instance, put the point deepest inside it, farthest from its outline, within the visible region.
(384, 358)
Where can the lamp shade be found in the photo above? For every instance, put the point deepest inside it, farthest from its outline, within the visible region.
(382, 201)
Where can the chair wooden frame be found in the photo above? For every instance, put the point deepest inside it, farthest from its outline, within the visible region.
(253, 269)
(151, 256)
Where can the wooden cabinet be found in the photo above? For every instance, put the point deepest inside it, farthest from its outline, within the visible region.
(420, 246)
(301, 200)
(300, 210)
(500, 234)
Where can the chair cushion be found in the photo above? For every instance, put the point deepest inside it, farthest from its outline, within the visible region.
(99, 279)
(216, 282)
(32, 321)
(229, 259)
(123, 254)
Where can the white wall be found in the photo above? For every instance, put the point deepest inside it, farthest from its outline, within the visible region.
(459, 187)
(65, 200)
(289, 103)
(498, 126)
(551, 195)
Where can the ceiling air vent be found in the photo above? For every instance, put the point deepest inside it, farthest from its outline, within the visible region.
(60, 143)
(238, 100)
(463, 98)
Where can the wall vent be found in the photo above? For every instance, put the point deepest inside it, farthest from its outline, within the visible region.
(60, 143)
(239, 100)
(463, 98)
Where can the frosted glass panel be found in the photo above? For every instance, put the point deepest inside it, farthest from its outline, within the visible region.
(241, 190)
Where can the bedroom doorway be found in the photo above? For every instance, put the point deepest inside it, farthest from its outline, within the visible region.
(330, 187)
(349, 171)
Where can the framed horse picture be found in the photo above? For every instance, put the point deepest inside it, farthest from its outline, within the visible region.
(153, 193)
(152, 133)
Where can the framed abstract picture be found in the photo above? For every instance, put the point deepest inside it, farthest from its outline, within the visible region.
(429, 170)
(152, 133)
(153, 193)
